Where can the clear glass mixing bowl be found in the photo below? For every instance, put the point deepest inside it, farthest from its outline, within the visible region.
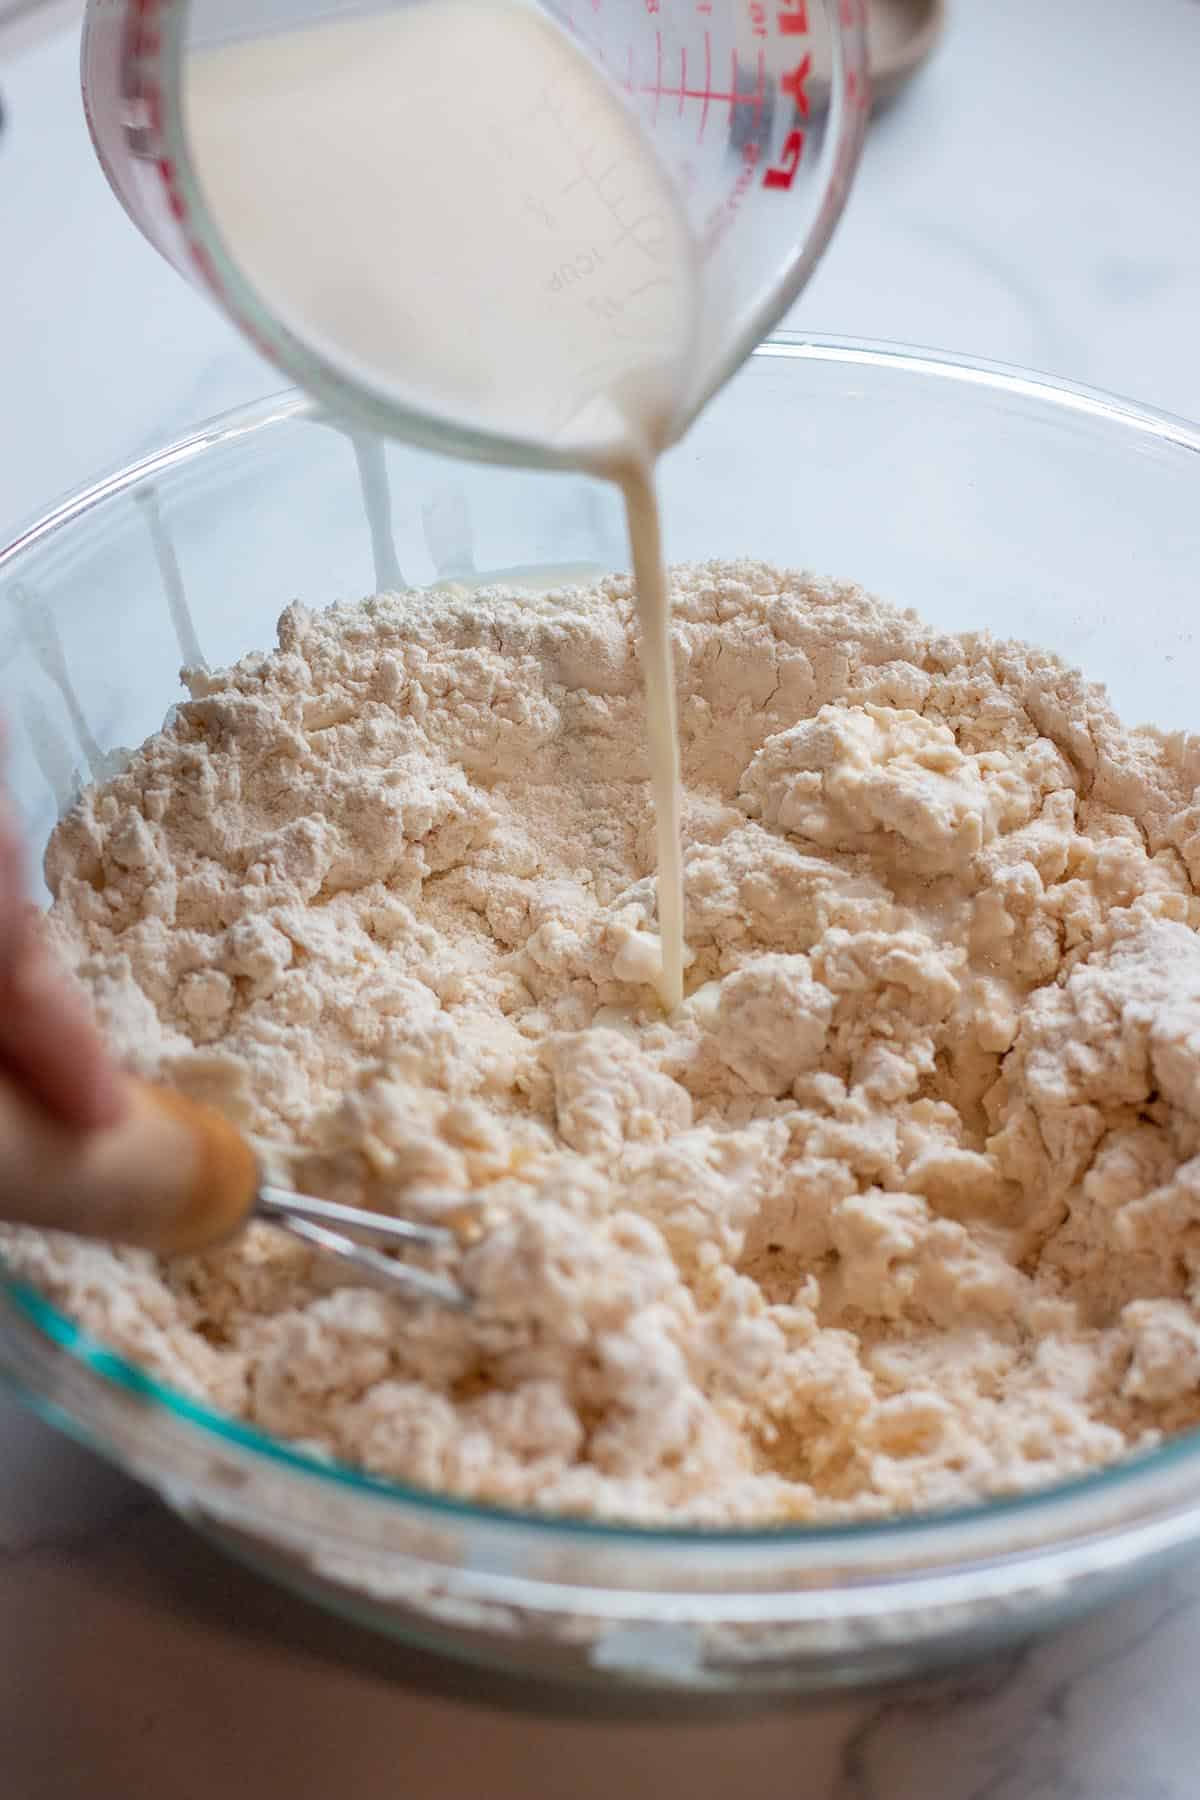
(981, 496)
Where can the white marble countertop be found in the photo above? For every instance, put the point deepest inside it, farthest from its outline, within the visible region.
(1031, 199)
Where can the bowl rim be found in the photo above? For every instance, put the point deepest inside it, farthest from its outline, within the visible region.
(287, 404)
(1152, 1475)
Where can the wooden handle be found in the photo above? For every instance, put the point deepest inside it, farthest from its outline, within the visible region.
(172, 1176)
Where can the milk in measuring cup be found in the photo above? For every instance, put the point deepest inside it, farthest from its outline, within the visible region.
(451, 203)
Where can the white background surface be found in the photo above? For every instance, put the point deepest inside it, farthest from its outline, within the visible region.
(1034, 198)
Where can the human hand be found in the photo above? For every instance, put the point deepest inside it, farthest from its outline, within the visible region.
(50, 1045)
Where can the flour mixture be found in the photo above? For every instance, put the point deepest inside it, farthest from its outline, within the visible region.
(900, 1208)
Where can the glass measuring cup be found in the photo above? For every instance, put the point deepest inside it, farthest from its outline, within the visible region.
(752, 110)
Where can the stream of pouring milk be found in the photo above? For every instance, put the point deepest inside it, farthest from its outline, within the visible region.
(451, 204)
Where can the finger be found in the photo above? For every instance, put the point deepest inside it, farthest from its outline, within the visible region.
(12, 884)
(12, 890)
(49, 1037)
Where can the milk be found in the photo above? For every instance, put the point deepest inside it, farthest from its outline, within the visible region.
(451, 205)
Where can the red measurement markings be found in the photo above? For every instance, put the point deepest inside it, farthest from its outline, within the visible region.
(853, 13)
(783, 173)
(722, 217)
(707, 84)
(708, 95)
(140, 47)
(795, 86)
(793, 22)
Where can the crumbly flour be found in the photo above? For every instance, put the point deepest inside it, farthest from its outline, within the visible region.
(901, 1208)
